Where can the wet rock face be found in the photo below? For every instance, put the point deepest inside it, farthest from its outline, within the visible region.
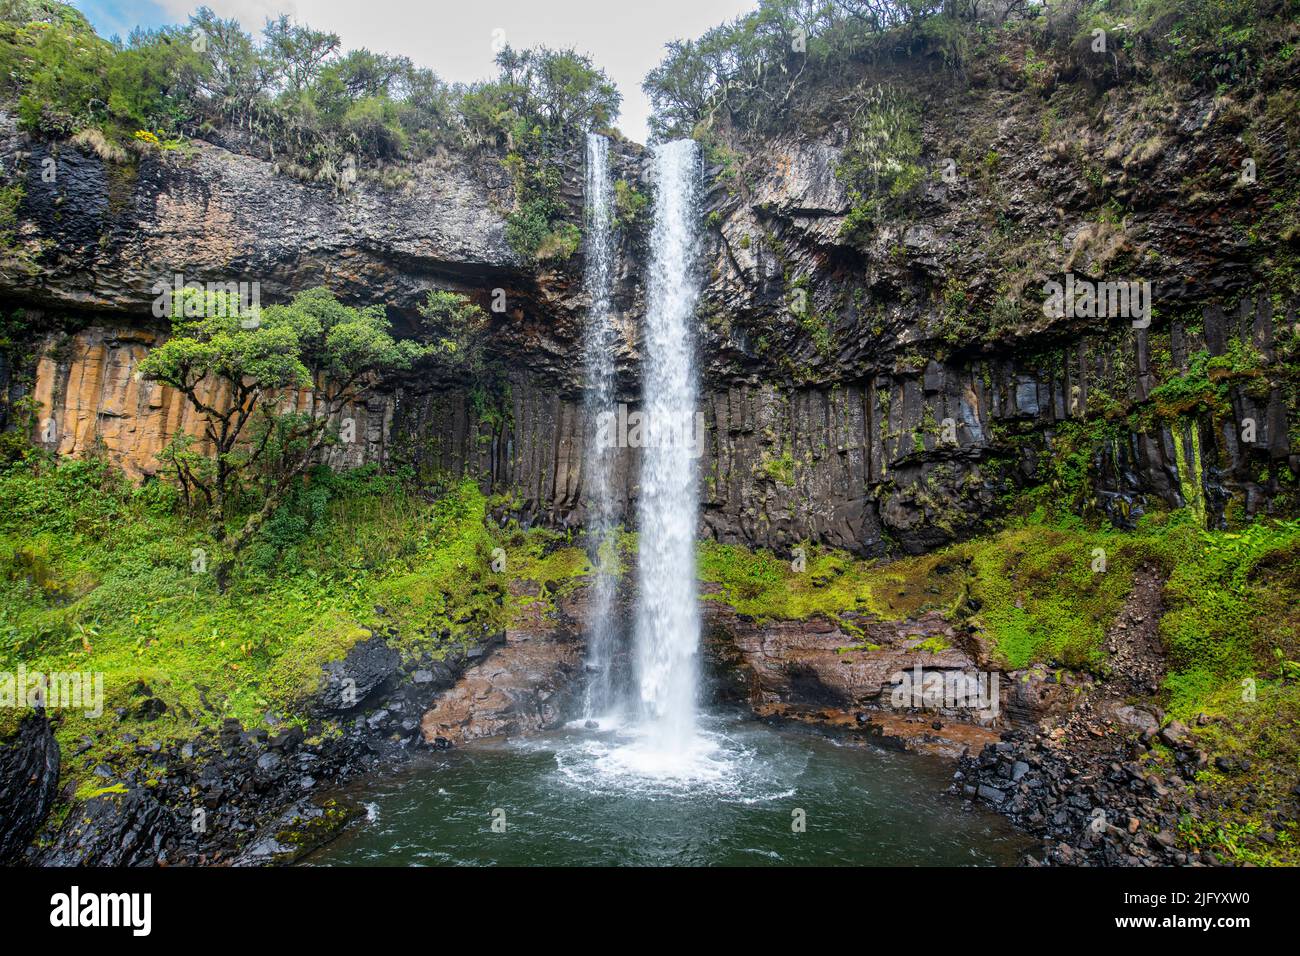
(521, 687)
(892, 413)
(814, 665)
(886, 685)
(127, 829)
(29, 780)
(525, 683)
(348, 683)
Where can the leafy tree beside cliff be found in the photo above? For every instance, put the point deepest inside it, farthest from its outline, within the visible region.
(460, 326)
(228, 365)
(542, 100)
(237, 367)
(745, 72)
(540, 96)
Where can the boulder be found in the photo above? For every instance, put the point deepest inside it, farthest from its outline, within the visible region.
(29, 780)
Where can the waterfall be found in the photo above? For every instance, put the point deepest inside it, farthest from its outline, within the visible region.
(667, 619)
(598, 347)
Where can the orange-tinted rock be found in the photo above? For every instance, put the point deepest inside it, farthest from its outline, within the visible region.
(90, 399)
(521, 686)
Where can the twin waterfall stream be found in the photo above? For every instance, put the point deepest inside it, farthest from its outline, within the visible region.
(667, 626)
(646, 775)
(598, 457)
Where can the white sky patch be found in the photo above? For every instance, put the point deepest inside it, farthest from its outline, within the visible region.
(454, 37)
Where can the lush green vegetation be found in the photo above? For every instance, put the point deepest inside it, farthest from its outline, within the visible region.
(1034, 594)
(747, 72)
(234, 365)
(752, 72)
(1045, 590)
(532, 110)
(99, 576)
(881, 165)
(1254, 793)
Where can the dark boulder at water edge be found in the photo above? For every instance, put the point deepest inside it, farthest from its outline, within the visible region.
(29, 780)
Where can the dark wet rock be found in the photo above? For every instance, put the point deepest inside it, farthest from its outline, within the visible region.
(151, 708)
(29, 780)
(268, 763)
(115, 829)
(348, 682)
(288, 740)
(1072, 778)
(301, 828)
(992, 794)
(1174, 734)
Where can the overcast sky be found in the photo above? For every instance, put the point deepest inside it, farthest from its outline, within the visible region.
(454, 37)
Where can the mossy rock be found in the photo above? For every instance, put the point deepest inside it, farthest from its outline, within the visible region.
(297, 674)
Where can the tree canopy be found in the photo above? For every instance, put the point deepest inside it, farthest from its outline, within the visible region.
(295, 90)
(236, 367)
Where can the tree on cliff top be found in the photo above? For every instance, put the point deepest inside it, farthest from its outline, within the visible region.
(240, 367)
(540, 97)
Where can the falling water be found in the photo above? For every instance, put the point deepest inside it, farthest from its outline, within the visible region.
(599, 399)
(667, 623)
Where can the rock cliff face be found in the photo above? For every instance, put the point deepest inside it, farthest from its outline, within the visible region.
(524, 684)
(89, 399)
(916, 384)
(29, 779)
(855, 358)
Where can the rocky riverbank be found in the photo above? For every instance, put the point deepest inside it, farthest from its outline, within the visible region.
(1088, 780)
(1089, 763)
(229, 795)
(1091, 767)
(238, 796)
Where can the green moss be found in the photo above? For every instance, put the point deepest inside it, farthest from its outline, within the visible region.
(550, 567)
(296, 673)
(1230, 605)
(629, 203)
(1047, 593)
(89, 792)
(933, 645)
(11, 200)
(1039, 598)
(864, 647)
(128, 604)
(1253, 822)
(828, 583)
(1188, 455)
(780, 470)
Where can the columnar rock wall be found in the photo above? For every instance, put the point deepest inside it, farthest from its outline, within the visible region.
(862, 465)
(90, 400)
(914, 390)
